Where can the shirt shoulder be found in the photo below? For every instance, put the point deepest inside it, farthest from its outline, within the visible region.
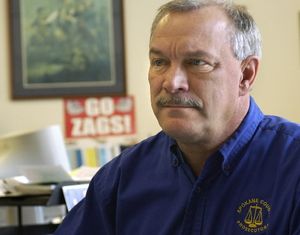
(277, 141)
(134, 160)
(145, 152)
(280, 126)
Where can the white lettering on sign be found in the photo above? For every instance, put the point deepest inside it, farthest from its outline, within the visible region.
(102, 125)
(88, 127)
(127, 124)
(95, 107)
(116, 124)
(76, 124)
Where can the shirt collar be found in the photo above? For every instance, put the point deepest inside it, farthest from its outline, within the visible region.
(240, 137)
(230, 149)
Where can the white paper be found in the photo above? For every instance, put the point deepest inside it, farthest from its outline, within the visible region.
(38, 148)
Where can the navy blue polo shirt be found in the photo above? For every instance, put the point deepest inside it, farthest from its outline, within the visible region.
(250, 186)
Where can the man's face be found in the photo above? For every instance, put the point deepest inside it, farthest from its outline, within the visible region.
(194, 77)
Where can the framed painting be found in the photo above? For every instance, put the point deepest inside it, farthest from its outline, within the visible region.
(67, 48)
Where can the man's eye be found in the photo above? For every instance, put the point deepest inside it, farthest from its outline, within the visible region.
(199, 65)
(196, 62)
(157, 62)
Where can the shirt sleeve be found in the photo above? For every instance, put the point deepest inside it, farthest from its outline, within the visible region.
(295, 222)
(97, 211)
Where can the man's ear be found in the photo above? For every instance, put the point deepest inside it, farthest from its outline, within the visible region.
(249, 68)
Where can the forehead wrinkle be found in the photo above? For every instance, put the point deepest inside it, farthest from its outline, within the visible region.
(198, 54)
(155, 51)
(180, 50)
(216, 26)
(185, 45)
(168, 49)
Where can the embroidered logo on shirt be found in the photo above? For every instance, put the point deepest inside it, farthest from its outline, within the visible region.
(253, 215)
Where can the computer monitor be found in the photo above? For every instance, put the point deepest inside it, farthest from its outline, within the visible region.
(35, 148)
(74, 194)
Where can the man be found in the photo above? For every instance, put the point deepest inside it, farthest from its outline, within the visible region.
(219, 166)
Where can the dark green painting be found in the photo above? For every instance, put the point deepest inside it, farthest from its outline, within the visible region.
(72, 46)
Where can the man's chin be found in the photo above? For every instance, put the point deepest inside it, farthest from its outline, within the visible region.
(178, 112)
(180, 133)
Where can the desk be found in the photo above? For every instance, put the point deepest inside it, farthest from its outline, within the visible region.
(55, 198)
(21, 201)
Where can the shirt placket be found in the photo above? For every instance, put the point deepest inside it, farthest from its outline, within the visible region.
(195, 211)
(196, 207)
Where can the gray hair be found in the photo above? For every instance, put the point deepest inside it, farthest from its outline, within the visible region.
(245, 38)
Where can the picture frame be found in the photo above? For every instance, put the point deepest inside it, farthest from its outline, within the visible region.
(68, 48)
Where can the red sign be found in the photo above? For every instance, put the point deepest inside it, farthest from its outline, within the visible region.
(95, 117)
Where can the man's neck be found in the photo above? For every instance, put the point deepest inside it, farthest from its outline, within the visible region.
(195, 156)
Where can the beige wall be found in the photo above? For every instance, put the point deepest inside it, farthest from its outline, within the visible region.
(278, 83)
(276, 90)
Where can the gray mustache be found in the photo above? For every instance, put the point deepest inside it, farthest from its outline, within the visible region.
(180, 101)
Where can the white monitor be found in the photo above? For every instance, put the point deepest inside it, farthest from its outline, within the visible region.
(36, 148)
(74, 194)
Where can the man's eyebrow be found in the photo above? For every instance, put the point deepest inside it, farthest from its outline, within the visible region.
(155, 51)
(198, 53)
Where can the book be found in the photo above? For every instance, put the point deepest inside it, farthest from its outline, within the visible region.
(15, 186)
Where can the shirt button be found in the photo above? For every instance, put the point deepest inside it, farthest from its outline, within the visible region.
(226, 167)
(198, 189)
(175, 162)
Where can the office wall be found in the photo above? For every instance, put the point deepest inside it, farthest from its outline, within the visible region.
(276, 89)
(277, 85)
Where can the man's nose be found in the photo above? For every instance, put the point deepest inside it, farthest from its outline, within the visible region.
(175, 80)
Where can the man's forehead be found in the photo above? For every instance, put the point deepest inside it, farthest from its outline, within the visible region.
(182, 54)
(207, 13)
(201, 21)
